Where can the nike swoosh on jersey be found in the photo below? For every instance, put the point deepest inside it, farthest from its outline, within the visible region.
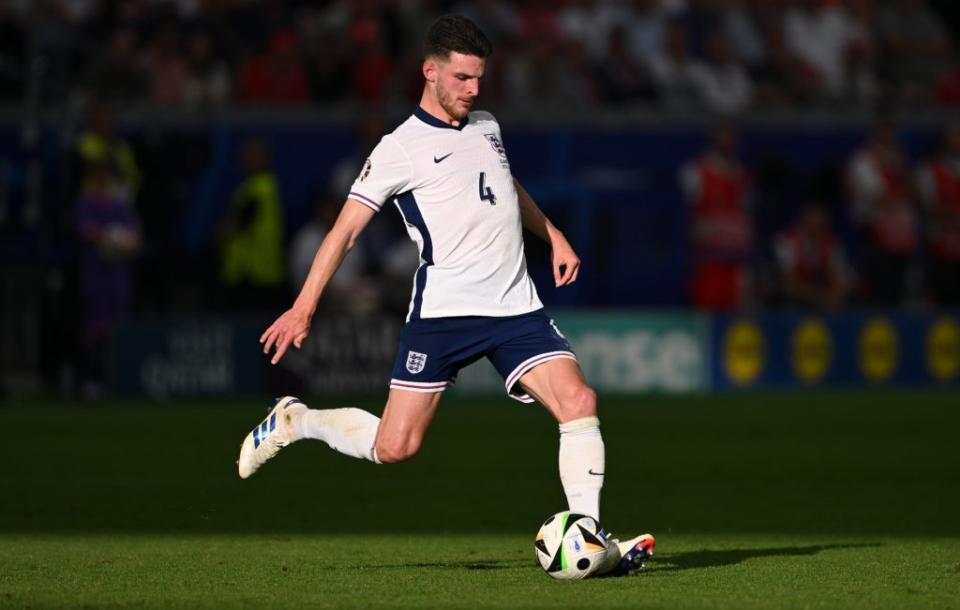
(599, 474)
(439, 159)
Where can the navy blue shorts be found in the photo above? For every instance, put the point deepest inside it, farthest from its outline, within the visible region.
(433, 350)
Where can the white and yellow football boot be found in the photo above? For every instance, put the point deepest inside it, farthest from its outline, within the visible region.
(269, 437)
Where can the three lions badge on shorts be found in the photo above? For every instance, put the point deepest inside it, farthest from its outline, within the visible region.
(415, 362)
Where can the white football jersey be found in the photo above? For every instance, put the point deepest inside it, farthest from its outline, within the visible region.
(455, 191)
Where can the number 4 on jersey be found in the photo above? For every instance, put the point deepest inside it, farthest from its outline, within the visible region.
(486, 194)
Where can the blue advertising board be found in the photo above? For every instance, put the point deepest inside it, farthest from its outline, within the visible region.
(872, 349)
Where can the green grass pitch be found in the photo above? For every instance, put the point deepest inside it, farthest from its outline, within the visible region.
(841, 499)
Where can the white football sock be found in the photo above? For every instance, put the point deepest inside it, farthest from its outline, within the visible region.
(581, 465)
(350, 431)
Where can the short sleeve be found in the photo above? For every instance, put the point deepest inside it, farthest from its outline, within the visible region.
(385, 173)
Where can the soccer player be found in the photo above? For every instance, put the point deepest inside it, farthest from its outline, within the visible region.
(446, 170)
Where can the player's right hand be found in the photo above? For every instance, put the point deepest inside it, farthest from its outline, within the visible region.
(291, 327)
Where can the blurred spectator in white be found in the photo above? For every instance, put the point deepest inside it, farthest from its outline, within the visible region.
(717, 189)
(278, 76)
(862, 82)
(646, 26)
(208, 78)
(674, 71)
(821, 33)
(811, 266)
(741, 24)
(164, 63)
(622, 78)
(723, 82)
(886, 214)
(938, 182)
(349, 290)
(118, 77)
(916, 47)
(592, 23)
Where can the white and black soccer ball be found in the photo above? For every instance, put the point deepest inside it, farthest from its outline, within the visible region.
(570, 546)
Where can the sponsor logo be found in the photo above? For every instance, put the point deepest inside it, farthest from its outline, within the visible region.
(744, 352)
(943, 349)
(879, 350)
(367, 166)
(812, 351)
(439, 159)
(415, 362)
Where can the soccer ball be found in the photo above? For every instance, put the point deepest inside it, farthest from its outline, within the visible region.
(570, 546)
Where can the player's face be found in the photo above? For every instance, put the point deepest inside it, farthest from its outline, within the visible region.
(457, 82)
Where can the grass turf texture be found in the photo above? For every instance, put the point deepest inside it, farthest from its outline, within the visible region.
(839, 499)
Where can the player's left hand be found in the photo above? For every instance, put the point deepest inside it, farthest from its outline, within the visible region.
(566, 264)
(290, 328)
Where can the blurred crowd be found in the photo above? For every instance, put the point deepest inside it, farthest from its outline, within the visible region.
(723, 56)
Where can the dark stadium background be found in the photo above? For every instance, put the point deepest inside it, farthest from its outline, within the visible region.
(758, 430)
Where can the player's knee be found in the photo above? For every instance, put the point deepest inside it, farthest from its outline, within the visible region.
(399, 450)
(582, 402)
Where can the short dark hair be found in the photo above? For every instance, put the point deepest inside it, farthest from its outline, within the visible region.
(454, 33)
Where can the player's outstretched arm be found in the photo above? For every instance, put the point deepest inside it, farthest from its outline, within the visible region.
(294, 324)
(566, 263)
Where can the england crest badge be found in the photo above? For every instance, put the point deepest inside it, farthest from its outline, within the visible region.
(415, 362)
(498, 148)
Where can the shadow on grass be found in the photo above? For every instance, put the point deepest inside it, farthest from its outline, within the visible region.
(477, 564)
(695, 560)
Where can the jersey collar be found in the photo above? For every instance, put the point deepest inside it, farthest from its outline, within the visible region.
(429, 119)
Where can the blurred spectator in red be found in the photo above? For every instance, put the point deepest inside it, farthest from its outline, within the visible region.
(118, 77)
(717, 188)
(723, 81)
(916, 47)
(821, 33)
(939, 186)
(166, 67)
(110, 238)
(883, 208)
(373, 68)
(812, 268)
(277, 77)
(208, 78)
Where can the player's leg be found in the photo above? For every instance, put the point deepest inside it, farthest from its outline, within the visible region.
(559, 386)
(393, 438)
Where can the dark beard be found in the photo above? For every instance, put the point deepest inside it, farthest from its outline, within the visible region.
(450, 110)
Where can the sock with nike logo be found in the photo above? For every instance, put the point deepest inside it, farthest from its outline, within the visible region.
(582, 464)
